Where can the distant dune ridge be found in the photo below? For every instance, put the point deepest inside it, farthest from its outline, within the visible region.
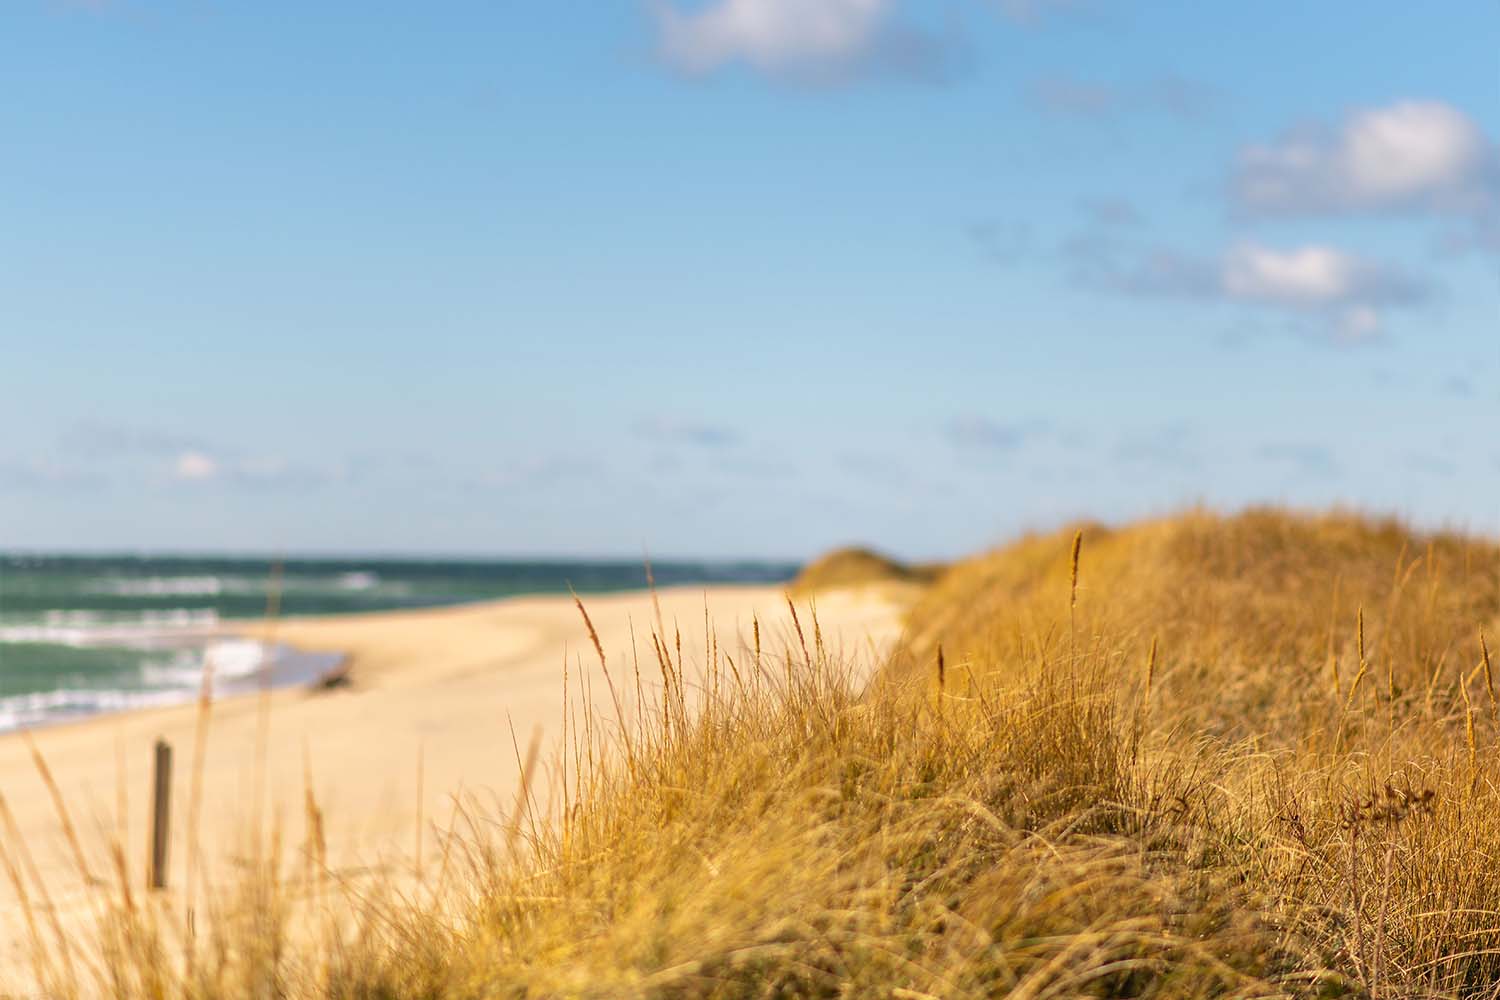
(857, 566)
(1197, 756)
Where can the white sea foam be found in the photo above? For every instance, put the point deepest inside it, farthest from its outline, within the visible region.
(64, 616)
(19, 710)
(165, 680)
(238, 657)
(161, 586)
(147, 630)
(180, 618)
(232, 659)
(359, 580)
(183, 669)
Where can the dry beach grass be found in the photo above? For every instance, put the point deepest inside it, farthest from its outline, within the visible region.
(1198, 756)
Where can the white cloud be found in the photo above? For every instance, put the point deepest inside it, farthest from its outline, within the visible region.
(1347, 288)
(806, 41)
(259, 472)
(1310, 275)
(1407, 155)
(195, 465)
(1411, 149)
(774, 36)
(1348, 293)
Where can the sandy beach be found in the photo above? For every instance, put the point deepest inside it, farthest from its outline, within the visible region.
(443, 687)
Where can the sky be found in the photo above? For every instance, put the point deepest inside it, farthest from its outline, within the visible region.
(738, 278)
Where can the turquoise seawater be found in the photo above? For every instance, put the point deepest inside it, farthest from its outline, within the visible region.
(85, 634)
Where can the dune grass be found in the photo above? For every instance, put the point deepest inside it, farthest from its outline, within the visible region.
(1200, 756)
(859, 567)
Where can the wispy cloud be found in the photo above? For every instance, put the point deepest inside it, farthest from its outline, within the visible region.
(1346, 292)
(880, 468)
(1430, 464)
(1403, 156)
(1307, 459)
(1460, 386)
(671, 430)
(1078, 97)
(1034, 11)
(535, 473)
(803, 41)
(1169, 446)
(195, 466)
(259, 472)
(1003, 241)
(980, 432)
(1312, 276)
(1411, 157)
(46, 474)
(90, 453)
(96, 439)
(1111, 212)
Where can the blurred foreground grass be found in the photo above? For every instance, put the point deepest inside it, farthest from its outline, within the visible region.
(1199, 756)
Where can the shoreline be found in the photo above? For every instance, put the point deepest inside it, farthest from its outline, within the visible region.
(296, 664)
(444, 688)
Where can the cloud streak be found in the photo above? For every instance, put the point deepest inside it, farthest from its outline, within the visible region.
(95, 439)
(976, 432)
(1003, 241)
(1410, 155)
(1075, 97)
(195, 467)
(802, 41)
(667, 430)
(1304, 459)
(1347, 292)
(1033, 11)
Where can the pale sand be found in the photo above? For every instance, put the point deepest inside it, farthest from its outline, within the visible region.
(444, 684)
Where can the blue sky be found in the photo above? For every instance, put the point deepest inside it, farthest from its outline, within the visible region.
(747, 277)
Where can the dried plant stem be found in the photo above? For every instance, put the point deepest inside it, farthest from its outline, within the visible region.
(797, 625)
(195, 796)
(61, 808)
(1150, 675)
(1489, 677)
(523, 791)
(38, 950)
(1463, 687)
(1356, 904)
(942, 678)
(1364, 664)
(263, 708)
(1377, 977)
(13, 833)
(614, 695)
(1073, 592)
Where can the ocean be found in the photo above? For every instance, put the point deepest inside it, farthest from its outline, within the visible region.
(86, 634)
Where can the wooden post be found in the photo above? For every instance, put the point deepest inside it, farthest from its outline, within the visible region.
(161, 813)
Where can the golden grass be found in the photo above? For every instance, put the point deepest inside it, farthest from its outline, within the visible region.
(1017, 807)
(858, 567)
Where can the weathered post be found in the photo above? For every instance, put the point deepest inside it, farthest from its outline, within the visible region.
(161, 813)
